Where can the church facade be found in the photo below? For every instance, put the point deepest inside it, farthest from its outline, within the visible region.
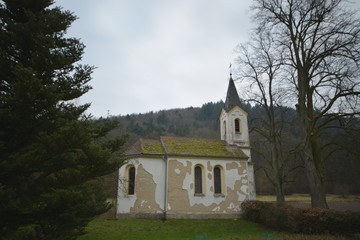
(190, 178)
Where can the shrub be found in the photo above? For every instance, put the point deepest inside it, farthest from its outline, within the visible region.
(308, 221)
(316, 220)
(254, 211)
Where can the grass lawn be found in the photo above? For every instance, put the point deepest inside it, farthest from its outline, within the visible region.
(101, 229)
(305, 198)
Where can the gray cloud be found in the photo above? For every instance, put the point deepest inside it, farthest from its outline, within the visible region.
(154, 55)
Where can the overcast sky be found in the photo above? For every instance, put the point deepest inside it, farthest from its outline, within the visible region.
(159, 54)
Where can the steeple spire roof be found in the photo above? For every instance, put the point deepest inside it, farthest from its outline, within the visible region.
(232, 97)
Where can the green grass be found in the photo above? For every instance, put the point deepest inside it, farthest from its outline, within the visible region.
(101, 229)
(305, 198)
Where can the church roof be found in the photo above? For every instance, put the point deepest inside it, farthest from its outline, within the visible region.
(232, 97)
(180, 146)
(146, 146)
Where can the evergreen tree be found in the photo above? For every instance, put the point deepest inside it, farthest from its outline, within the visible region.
(50, 151)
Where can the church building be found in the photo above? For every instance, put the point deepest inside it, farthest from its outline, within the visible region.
(190, 178)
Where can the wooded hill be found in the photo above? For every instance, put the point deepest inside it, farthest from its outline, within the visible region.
(341, 147)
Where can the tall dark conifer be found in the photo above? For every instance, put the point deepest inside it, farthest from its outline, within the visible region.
(50, 152)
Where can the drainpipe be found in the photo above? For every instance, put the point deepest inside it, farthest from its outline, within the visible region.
(165, 158)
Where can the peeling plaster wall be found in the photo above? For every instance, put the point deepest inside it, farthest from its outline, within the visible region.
(149, 187)
(227, 131)
(252, 192)
(181, 197)
(251, 177)
(149, 197)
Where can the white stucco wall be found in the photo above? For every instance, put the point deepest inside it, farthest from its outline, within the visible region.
(154, 169)
(252, 191)
(149, 194)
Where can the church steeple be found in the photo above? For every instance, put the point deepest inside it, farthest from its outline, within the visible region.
(232, 97)
(233, 119)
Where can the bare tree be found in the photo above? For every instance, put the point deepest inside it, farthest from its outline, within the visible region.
(320, 45)
(260, 66)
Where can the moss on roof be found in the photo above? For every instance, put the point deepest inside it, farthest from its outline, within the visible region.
(185, 146)
(150, 146)
(145, 146)
(200, 147)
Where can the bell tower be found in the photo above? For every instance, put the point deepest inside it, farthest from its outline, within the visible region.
(233, 119)
(235, 131)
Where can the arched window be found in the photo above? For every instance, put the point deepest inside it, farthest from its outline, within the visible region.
(217, 180)
(131, 187)
(198, 180)
(237, 125)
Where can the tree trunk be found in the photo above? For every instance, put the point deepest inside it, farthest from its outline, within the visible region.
(312, 157)
(280, 196)
(316, 185)
(275, 153)
(318, 198)
(277, 174)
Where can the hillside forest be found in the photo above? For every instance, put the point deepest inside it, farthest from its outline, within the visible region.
(340, 146)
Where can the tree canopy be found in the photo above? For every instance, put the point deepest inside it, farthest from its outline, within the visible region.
(316, 45)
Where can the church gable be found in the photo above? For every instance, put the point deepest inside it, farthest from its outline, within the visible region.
(233, 110)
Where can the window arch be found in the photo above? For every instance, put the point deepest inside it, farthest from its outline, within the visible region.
(131, 180)
(217, 180)
(198, 179)
(237, 125)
